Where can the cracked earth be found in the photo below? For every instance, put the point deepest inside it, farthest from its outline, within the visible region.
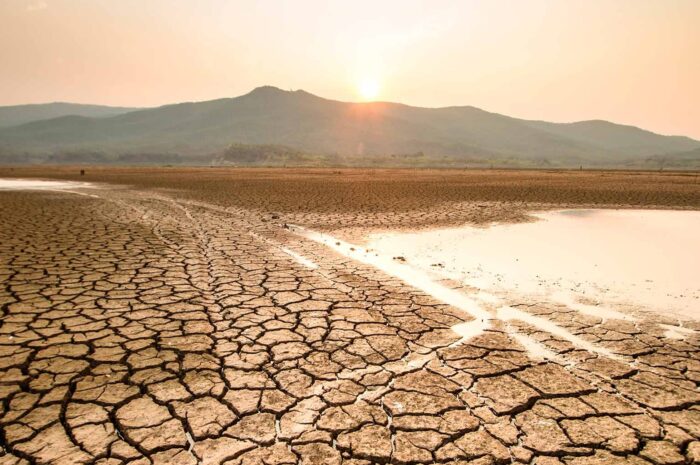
(144, 327)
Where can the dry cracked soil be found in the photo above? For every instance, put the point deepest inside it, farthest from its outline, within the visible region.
(166, 323)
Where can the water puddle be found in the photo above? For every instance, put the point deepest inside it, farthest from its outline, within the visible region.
(597, 262)
(481, 318)
(412, 276)
(43, 185)
(536, 349)
(509, 313)
(300, 258)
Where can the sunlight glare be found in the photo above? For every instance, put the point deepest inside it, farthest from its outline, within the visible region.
(368, 89)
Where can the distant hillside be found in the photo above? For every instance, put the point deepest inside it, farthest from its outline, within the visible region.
(684, 160)
(302, 122)
(629, 140)
(22, 114)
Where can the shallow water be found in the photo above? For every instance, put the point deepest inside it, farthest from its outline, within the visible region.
(597, 262)
(43, 185)
(411, 275)
(300, 258)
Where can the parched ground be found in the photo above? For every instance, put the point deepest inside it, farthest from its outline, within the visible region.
(167, 323)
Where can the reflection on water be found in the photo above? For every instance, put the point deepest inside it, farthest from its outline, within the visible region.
(39, 184)
(42, 185)
(589, 260)
(580, 261)
(579, 213)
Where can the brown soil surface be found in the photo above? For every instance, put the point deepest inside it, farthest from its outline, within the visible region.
(166, 324)
(393, 193)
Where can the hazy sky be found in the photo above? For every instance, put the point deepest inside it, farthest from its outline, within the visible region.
(629, 61)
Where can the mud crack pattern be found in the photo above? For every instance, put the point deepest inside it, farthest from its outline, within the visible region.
(139, 328)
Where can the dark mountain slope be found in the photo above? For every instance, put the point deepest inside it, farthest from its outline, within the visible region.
(629, 140)
(302, 121)
(22, 114)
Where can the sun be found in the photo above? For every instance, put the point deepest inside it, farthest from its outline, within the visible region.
(368, 89)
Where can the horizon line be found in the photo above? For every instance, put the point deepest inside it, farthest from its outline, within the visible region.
(373, 102)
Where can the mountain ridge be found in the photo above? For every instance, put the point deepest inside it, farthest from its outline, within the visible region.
(15, 115)
(306, 122)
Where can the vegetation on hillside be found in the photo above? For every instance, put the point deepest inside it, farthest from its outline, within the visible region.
(272, 127)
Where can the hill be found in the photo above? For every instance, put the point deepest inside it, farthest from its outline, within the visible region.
(22, 114)
(300, 121)
(629, 140)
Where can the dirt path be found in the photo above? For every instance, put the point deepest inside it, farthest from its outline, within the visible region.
(144, 327)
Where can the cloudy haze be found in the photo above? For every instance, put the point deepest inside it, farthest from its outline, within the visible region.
(628, 61)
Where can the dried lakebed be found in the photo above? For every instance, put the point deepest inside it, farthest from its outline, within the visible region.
(144, 328)
(46, 185)
(631, 259)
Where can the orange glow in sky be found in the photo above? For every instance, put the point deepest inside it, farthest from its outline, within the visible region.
(629, 61)
(368, 89)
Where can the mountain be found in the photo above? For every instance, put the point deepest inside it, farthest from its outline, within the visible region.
(689, 159)
(300, 121)
(21, 114)
(629, 140)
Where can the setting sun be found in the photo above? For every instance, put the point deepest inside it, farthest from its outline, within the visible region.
(312, 213)
(368, 89)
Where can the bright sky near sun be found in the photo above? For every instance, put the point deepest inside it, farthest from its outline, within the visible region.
(629, 61)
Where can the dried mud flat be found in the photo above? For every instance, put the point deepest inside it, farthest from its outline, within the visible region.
(180, 322)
